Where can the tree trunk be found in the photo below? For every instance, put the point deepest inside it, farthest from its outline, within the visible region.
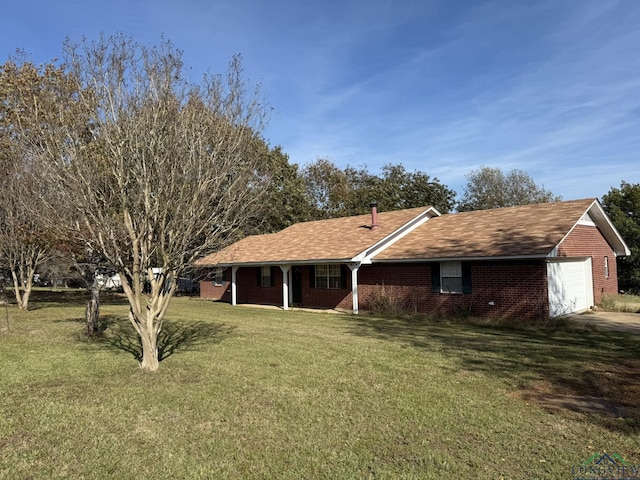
(22, 294)
(92, 311)
(26, 293)
(148, 321)
(4, 301)
(150, 361)
(148, 333)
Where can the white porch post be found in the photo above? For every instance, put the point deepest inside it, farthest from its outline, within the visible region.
(354, 285)
(285, 286)
(290, 277)
(234, 285)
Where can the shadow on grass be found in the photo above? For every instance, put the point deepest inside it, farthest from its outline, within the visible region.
(571, 362)
(117, 333)
(41, 298)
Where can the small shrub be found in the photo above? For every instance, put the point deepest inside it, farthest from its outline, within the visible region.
(383, 302)
(607, 302)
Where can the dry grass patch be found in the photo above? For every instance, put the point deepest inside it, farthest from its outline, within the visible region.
(621, 303)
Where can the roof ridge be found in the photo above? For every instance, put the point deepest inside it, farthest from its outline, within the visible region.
(363, 215)
(525, 206)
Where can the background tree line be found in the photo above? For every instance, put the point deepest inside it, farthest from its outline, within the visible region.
(114, 161)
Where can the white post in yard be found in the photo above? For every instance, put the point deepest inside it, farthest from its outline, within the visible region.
(234, 285)
(285, 286)
(354, 285)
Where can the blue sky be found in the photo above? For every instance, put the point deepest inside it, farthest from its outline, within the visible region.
(551, 87)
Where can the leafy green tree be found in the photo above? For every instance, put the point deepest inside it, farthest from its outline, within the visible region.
(334, 192)
(327, 189)
(490, 187)
(623, 207)
(285, 201)
(401, 189)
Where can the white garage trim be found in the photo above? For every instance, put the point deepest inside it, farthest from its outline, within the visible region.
(570, 285)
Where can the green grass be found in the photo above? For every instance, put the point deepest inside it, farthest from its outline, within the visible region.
(256, 393)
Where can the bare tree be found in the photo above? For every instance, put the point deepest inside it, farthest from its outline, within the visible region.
(153, 170)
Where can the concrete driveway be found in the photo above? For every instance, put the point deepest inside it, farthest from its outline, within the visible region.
(619, 321)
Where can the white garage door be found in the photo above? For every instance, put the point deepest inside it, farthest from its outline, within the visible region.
(570, 286)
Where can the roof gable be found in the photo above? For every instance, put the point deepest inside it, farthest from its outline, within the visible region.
(337, 239)
(596, 216)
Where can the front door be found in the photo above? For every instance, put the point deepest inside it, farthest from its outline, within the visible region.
(297, 285)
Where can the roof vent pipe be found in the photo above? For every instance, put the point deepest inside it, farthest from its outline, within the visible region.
(374, 215)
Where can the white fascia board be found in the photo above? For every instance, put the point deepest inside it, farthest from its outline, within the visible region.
(460, 259)
(276, 263)
(366, 256)
(608, 229)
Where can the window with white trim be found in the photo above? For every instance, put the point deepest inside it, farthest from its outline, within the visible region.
(217, 276)
(451, 277)
(606, 267)
(328, 276)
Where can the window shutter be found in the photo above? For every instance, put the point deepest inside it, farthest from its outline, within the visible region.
(312, 276)
(259, 269)
(343, 276)
(435, 277)
(466, 278)
(273, 276)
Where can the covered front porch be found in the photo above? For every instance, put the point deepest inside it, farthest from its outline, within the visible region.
(328, 286)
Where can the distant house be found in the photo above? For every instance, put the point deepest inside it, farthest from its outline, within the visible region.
(531, 261)
(108, 281)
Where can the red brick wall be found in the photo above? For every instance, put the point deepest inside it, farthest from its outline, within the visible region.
(587, 241)
(248, 289)
(209, 291)
(250, 292)
(325, 297)
(516, 288)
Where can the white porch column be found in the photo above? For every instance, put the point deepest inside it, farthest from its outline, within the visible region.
(234, 285)
(285, 286)
(354, 285)
(290, 277)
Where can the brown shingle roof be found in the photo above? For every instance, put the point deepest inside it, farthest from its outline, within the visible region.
(322, 240)
(529, 230)
(524, 231)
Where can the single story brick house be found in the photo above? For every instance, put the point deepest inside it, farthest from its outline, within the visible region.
(532, 261)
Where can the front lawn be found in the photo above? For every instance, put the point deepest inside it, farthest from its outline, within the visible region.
(259, 393)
